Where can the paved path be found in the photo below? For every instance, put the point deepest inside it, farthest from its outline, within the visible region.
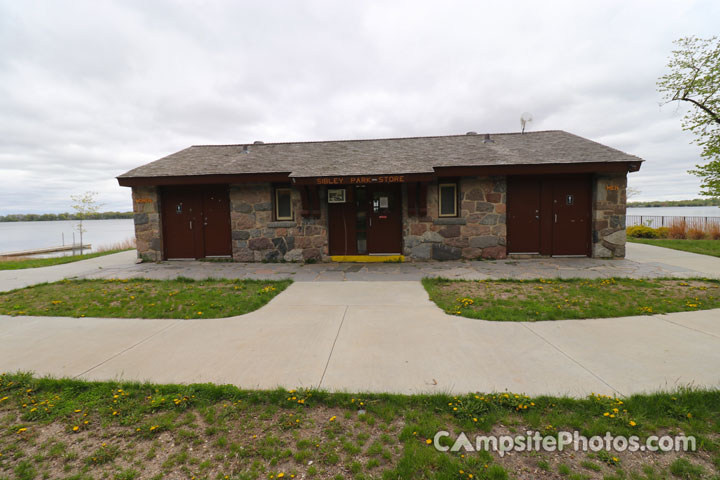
(12, 279)
(642, 261)
(374, 336)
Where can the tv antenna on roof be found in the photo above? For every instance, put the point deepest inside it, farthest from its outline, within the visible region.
(525, 118)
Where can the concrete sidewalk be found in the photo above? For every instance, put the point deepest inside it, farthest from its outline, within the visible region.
(12, 279)
(683, 263)
(375, 336)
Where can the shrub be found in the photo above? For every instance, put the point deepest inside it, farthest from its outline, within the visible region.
(713, 231)
(678, 229)
(695, 233)
(662, 232)
(641, 231)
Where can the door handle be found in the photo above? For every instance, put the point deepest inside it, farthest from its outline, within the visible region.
(190, 224)
(370, 222)
(556, 218)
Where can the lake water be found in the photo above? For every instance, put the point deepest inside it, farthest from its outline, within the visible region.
(676, 211)
(16, 236)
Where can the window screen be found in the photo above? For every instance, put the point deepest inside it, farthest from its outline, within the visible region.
(448, 200)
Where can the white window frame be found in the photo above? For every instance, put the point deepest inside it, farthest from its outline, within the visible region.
(440, 209)
(278, 190)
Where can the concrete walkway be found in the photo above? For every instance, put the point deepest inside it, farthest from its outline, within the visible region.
(374, 335)
(643, 261)
(12, 279)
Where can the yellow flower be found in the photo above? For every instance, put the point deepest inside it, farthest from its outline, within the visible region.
(76, 428)
(332, 419)
(428, 441)
(632, 423)
(21, 430)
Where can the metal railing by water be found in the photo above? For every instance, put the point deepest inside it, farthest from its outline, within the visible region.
(656, 221)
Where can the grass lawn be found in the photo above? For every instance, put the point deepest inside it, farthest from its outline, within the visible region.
(81, 430)
(704, 247)
(141, 298)
(533, 300)
(8, 263)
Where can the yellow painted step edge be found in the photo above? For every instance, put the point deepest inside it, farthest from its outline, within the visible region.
(367, 258)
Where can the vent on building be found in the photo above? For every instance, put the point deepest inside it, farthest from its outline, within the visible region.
(487, 139)
(471, 133)
(258, 142)
(246, 149)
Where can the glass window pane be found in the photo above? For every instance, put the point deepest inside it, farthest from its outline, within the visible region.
(447, 200)
(283, 207)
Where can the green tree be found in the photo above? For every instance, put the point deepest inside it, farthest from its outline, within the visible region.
(695, 78)
(85, 206)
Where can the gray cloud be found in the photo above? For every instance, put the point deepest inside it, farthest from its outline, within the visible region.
(90, 89)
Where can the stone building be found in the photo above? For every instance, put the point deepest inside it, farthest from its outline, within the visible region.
(454, 197)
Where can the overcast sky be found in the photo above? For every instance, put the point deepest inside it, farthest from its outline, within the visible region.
(90, 89)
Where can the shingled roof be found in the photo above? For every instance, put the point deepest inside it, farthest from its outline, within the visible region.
(382, 156)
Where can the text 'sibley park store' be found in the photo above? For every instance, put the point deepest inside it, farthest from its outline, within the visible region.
(469, 196)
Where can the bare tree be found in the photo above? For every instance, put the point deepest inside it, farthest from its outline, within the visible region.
(84, 205)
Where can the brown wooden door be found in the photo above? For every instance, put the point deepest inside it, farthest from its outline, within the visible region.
(571, 215)
(341, 228)
(182, 223)
(523, 215)
(384, 217)
(217, 235)
(196, 222)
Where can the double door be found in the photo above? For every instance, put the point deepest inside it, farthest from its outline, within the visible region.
(549, 215)
(196, 222)
(368, 222)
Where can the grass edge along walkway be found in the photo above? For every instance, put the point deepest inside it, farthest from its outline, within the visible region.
(565, 299)
(180, 298)
(132, 430)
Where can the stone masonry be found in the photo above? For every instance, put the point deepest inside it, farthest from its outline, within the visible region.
(256, 237)
(148, 229)
(608, 211)
(478, 232)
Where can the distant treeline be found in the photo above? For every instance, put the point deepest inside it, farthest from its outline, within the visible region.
(698, 202)
(46, 217)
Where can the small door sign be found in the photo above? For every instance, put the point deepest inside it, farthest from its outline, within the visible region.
(178, 208)
(569, 199)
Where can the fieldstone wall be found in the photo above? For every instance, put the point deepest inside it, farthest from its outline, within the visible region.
(609, 204)
(148, 230)
(479, 231)
(256, 237)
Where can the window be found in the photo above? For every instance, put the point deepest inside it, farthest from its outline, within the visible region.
(447, 200)
(283, 204)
